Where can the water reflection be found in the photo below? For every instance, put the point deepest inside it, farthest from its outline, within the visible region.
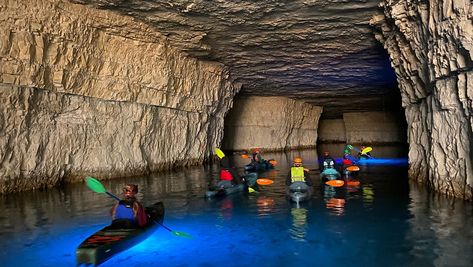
(380, 219)
(265, 205)
(299, 223)
(368, 195)
(334, 201)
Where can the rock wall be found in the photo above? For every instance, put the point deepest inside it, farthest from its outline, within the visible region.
(374, 127)
(364, 128)
(270, 123)
(332, 130)
(90, 92)
(431, 48)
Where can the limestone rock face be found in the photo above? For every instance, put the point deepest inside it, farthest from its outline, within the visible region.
(270, 123)
(363, 128)
(331, 130)
(90, 92)
(431, 48)
(373, 127)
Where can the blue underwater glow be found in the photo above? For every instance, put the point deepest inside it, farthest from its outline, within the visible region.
(380, 222)
(399, 162)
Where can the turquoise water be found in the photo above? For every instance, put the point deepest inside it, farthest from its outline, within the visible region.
(383, 222)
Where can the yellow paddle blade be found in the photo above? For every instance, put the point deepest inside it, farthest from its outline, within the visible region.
(264, 181)
(335, 183)
(353, 168)
(219, 153)
(251, 190)
(366, 150)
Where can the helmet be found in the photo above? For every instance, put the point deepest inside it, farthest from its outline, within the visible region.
(297, 160)
(346, 151)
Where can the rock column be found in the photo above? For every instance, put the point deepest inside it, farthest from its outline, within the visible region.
(431, 48)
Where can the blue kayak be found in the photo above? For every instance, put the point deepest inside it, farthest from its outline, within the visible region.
(107, 242)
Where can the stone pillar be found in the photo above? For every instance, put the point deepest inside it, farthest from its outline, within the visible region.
(431, 48)
(270, 123)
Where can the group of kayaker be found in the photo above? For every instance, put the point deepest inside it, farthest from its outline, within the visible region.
(129, 213)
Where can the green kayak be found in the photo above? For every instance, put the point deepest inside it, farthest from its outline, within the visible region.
(107, 242)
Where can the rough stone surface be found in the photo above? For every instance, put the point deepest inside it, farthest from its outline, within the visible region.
(373, 128)
(332, 131)
(270, 123)
(431, 48)
(323, 52)
(86, 91)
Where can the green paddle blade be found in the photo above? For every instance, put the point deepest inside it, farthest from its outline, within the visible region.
(95, 185)
(181, 234)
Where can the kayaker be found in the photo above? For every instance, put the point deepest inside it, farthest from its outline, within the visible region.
(348, 159)
(128, 212)
(256, 157)
(228, 174)
(327, 160)
(298, 173)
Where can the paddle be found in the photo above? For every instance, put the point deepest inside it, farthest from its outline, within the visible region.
(335, 183)
(97, 187)
(366, 150)
(264, 181)
(219, 153)
(353, 168)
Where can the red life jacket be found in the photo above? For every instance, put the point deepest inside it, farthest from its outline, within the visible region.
(347, 162)
(225, 175)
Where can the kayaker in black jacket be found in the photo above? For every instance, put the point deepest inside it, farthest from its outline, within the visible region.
(128, 212)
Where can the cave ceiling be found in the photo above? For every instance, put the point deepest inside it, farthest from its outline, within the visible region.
(321, 51)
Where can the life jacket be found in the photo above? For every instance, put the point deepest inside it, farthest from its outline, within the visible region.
(125, 210)
(297, 174)
(347, 162)
(225, 175)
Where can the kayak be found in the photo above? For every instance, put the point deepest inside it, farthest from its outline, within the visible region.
(107, 242)
(299, 192)
(262, 166)
(250, 180)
